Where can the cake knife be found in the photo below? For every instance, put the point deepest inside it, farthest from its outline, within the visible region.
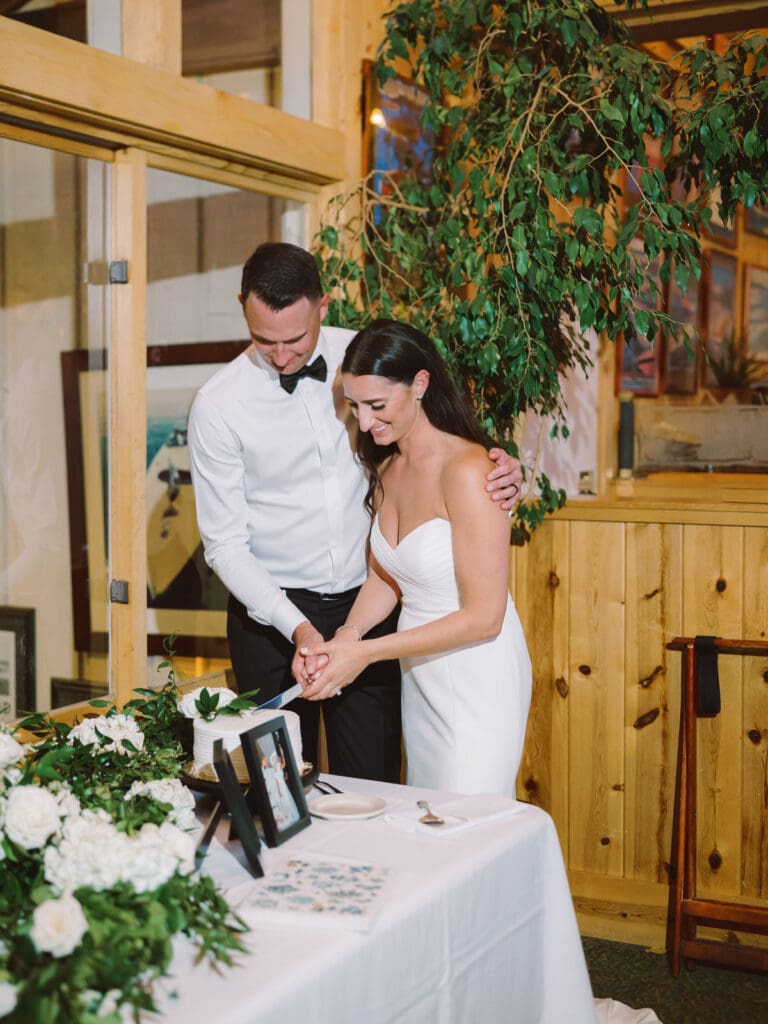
(282, 698)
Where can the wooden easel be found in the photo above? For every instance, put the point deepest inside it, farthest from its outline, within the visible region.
(686, 910)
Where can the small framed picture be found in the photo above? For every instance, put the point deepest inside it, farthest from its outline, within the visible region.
(718, 229)
(234, 800)
(756, 221)
(681, 362)
(17, 662)
(756, 318)
(276, 782)
(720, 318)
(638, 365)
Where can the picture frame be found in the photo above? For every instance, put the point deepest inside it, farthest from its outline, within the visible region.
(717, 229)
(756, 311)
(184, 596)
(394, 138)
(681, 358)
(276, 783)
(719, 311)
(235, 802)
(17, 662)
(756, 221)
(638, 366)
(76, 691)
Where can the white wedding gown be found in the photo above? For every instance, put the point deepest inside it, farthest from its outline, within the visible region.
(464, 711)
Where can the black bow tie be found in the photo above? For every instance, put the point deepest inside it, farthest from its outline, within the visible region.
(317, 370)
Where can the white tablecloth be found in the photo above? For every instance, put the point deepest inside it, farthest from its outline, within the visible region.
(478, 926)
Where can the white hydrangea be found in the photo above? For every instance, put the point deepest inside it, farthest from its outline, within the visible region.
(108, 733)
(31, 815)
(8, 998)
(173, 792)
(11, 752)
(92, 852)
(58, 926)
(187, 703)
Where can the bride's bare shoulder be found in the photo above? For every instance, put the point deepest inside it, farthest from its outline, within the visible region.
(468, 462)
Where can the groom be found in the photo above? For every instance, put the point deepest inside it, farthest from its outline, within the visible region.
(279, 498)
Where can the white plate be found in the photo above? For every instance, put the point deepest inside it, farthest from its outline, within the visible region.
(347, 805)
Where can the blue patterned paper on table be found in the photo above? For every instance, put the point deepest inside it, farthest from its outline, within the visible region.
(337, 893)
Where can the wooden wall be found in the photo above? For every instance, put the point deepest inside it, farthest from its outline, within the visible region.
(600, 590)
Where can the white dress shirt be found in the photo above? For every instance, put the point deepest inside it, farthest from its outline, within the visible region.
(278, 489)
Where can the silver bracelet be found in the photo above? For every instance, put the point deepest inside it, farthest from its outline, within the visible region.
(348, 625)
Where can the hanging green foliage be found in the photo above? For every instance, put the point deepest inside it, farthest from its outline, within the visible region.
(515, 244)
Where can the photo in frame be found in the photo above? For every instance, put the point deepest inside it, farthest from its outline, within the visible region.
(719, 315)
(756, 318)
(275, 781)
(17, 662)
(235, 802)
(183, 594)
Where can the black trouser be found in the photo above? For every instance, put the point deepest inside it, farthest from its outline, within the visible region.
(362, 726)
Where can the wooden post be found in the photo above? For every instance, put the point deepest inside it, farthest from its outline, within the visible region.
(127, 362)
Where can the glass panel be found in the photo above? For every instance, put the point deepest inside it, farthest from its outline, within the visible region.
(54, 437)
(198, 237)
(234, 46)
(97, 22)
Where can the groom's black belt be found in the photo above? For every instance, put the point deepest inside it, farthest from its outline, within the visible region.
(314, 595)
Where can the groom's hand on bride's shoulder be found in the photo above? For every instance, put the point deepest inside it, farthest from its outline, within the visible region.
(506, 480)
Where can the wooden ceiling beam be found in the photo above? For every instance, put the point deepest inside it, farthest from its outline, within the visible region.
(671, 19)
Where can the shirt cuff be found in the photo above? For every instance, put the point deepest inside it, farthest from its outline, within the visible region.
(286, 617)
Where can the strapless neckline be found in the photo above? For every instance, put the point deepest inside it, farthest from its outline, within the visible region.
(394, 547)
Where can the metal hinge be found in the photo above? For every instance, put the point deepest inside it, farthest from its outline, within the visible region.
(118, 272)
(118, 591)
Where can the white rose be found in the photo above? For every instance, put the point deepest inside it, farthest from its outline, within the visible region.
(187, 703)
(108, 732)
(11, 752)
(32, 816)
(8, 998)
(58, 926)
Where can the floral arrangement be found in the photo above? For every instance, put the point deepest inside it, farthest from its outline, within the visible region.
(98, 865)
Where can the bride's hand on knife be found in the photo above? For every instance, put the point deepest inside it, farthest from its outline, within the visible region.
(345, 663)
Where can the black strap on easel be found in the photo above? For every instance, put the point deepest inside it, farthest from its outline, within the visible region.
(707, 681)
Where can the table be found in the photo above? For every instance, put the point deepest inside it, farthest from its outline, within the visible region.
(478, 927)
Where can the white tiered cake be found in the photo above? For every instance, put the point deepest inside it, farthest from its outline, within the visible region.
(228, 728)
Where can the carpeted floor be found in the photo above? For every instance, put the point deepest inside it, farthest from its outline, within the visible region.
(700, 995)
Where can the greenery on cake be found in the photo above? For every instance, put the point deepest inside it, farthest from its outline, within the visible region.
(98, 881)
(208, 702)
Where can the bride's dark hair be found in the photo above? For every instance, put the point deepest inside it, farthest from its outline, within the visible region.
(396, 351)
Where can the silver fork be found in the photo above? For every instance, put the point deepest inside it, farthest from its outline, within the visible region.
(428, 818)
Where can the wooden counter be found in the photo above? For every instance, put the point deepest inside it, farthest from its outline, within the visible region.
(601, 589)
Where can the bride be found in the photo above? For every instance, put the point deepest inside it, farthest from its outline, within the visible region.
(442, 548)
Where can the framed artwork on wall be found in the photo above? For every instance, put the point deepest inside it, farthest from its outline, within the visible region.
(756, 221)
(719, 315)
(183, 595)
(681, 362)
(393, 135)
(638, 364)
(756, 318)
(17, 662)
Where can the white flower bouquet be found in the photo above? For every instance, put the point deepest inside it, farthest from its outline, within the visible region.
(97, 866)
